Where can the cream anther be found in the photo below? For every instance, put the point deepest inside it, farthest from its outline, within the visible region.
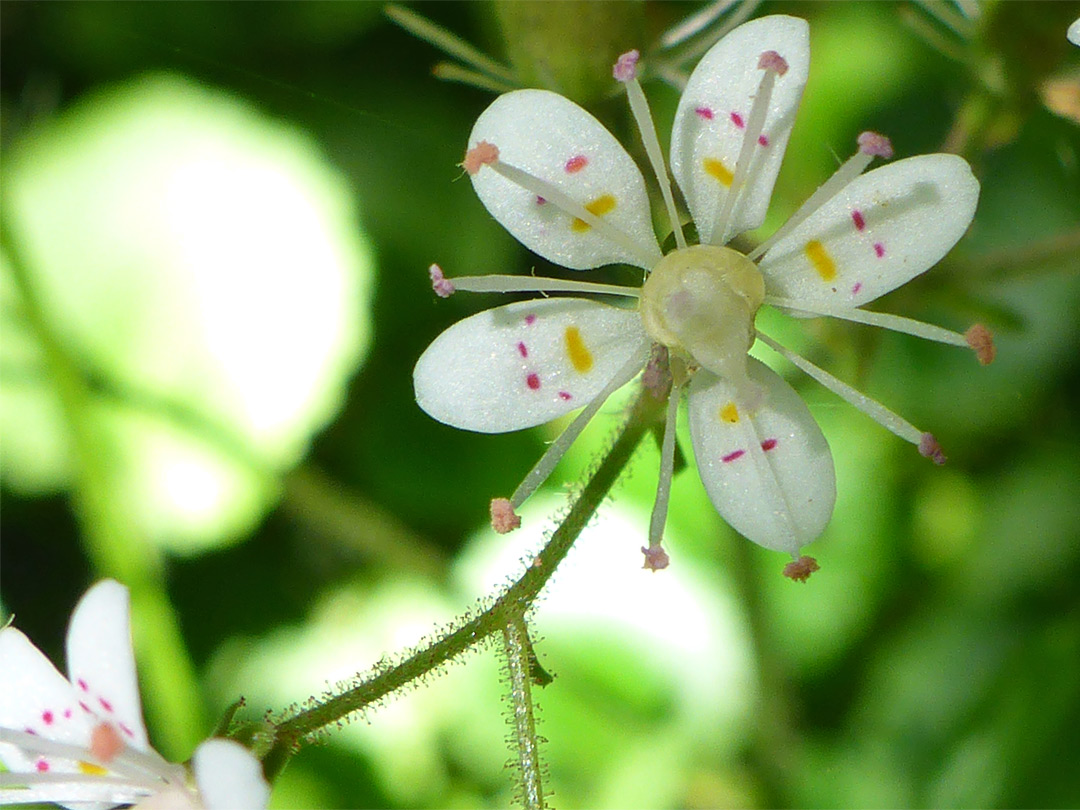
(625, 67)
(481, 154)
(771, 60)
(872, 143)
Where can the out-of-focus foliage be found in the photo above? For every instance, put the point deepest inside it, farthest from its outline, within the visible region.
(220, 205)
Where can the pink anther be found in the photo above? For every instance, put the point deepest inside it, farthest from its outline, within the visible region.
(482, 153)
(443, 287)
(656, 559)
(625, 68)
(871, 143)
(929, 447)
(771, 60)
(503, 517)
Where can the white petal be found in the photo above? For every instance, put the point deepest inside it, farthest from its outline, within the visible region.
(229, 776)
(35, 697)
(554, 139)
(768, 472)
(882, 230)
(526, 363)
(80, 794)
(101, 662)
(1073, 34)
(714, 109)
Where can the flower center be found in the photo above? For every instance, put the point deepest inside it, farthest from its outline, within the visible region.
(701, 301)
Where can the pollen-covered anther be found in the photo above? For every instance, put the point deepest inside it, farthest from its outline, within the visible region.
(481, 154)
(656, 559)
(503, 517)
(105, 742)
(801, 569)
(929, 447)
(876, 144)
(981, 341)
(443, 287)
(771, 60)
(625, 68)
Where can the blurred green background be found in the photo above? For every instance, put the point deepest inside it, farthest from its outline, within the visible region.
(217, 223)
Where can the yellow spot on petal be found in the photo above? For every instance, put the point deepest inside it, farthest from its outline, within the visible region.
(729, 413)
(820, 258)
(580, 356)
(604, 204)
(90, 769)
(718, 170)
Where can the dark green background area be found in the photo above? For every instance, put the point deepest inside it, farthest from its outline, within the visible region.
(935, 659)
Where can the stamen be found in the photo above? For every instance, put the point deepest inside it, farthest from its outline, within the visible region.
(513, 284)
(503, 517)
(981, 340)
(774, 65)
(801, 569)
(646, 254)
(663, 488)
(543, 468)
(442, 286)
(695, 23)
(894, 323)
(872, 408)
(929, 447)
(871, 145)
(626, 72)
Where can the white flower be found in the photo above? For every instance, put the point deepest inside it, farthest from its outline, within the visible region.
(559, 182)
(82, 743)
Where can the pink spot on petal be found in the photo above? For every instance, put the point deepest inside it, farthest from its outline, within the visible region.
(47, 717)
(856, 288)
(530, 319)
(736, 119)
(705, 113)
(857, 218)
(41, 765)
(84, 707)
(533, 381)
(768, 445)
(124, 728)
(83, 686)
(67, 714)
(522, 350)
(540, 200)
(763, 140)
(732, 456)
(576, 164)
(879, 249)
(29, 730)
(565, 395)
(105, 704)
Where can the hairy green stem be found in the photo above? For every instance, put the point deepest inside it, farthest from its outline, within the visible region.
(291, 733)
(526, 746)
(112, 542)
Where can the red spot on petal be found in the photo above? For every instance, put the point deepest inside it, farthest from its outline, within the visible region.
(736, 119)
(768, 445)
(83, 686)
(47, 717)
(565, 395)
(105, 704)
(576, 164)
(856, 288)
(879, 249)
(763, 140)
(522, 350)
(540, 200)
(732, 456)
(530, 319)
(857, 218)
(705, 113)
(533, 381)
(41, 765)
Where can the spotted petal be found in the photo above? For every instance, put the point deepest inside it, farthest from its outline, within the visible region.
(526, 363)
(101, 662)
(879, 232)
(767, 471)
(713, 113)
(557, 141)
